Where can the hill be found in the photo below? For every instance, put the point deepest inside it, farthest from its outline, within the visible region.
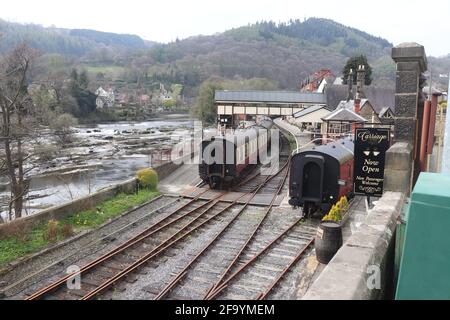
(64, 41)
(110, 39)
(285, 53)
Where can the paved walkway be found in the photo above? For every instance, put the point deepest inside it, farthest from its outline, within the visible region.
(301, 138)
(181, 179)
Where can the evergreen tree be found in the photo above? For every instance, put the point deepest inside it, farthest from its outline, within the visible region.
(74, 76)
(83, 80)
(353, 63)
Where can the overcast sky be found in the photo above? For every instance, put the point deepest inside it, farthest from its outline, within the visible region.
(425, 22)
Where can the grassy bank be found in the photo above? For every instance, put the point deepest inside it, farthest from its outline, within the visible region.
(24, 241)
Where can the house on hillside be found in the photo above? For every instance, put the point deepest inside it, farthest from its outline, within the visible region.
(356, 110)
(144, 99)
(122, 98)
(381, 100)
(105, 99)
(163, 93)
(386, 116)
(317, 81)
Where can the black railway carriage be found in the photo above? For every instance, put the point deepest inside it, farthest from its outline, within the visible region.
(321, 175)
(225, 157)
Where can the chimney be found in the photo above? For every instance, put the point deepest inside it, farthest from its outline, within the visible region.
(350, 85)
(357, 103)
(360, 80)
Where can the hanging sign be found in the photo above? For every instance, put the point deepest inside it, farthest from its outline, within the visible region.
(371, 145)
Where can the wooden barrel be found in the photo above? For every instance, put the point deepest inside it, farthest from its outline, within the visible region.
(328, 241)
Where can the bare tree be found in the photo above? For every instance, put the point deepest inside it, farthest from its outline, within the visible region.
(62, 127)
(16, 121)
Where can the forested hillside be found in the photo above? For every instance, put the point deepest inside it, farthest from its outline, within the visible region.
(62, 41)
(111, 39)
(284, 53)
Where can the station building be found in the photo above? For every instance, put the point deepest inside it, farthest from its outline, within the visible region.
(235, 106)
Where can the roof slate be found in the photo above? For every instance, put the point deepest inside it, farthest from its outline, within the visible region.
(308, 111)
(344, 114)
(270, 96)
(378, 97)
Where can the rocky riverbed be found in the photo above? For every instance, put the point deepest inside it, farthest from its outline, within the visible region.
(99, 156)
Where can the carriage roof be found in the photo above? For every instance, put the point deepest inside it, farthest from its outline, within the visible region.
(241, 134)
(342, 150)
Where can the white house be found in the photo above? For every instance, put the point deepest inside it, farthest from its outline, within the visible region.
(105, 99)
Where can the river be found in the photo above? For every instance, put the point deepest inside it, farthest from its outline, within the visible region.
(100, 156)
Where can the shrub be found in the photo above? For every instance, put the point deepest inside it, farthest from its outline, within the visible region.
(62, 126)
(66, 230)
(344, 203)
(338, 205)
(51, 232)
(46, 152)
(19, 229)
(333, 215)
(336, 211)
(147, 178)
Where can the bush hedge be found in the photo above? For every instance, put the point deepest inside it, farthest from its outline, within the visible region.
(147, 178)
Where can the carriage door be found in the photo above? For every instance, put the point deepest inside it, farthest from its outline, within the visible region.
(312, 178)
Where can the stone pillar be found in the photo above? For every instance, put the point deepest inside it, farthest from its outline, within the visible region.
(398, 168)
(411, 62)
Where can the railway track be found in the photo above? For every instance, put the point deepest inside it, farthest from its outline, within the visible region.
(233, 236)
(240, 237)
(256, 277)
(187, 214)
(118, 264)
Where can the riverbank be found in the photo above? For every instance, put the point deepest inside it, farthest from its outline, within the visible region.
(101, 155)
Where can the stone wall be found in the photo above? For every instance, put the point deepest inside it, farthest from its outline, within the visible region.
(67, 209)
(166, 169)
(367, 256)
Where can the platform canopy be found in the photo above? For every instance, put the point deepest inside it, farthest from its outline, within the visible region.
(269, 103)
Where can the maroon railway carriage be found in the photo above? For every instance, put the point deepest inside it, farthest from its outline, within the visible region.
(225, 157)
(321, 175)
